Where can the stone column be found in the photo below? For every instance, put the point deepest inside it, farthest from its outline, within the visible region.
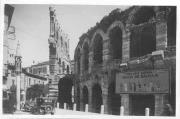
(160, 101)
(126, 46)
(161, 31)
(81, 65)
(90, 100)
(90, 61)
(105, 103)
(125, 102)
(106, 50)
(18, 93)
(81, 101)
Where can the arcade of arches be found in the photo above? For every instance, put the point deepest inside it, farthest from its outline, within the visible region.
(145, 31)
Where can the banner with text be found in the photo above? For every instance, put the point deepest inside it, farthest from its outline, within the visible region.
(151, 81)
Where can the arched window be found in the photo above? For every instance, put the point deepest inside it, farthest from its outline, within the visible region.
(148, 40)
(116, 42)
(85, 97)
(98, 49)
(86, 56)
(96, 98)
(143, 38)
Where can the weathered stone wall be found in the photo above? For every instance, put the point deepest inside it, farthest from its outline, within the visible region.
(107, 70)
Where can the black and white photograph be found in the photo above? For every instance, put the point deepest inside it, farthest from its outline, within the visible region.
(87, 59)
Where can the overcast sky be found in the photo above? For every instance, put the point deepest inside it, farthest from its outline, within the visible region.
(32, 27)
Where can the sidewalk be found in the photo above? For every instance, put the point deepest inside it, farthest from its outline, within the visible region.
(71, 112)
(20, 112)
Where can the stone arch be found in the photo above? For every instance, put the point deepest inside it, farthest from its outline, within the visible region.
(141, 15)
(116, 40)
(171, 27)
(143, 41)
(96, 98)
(98, 49)
(101, 33)
(85, 96)
(116, 24)
(148, 40)
(85, 48)
(114, 100)
(78, 60)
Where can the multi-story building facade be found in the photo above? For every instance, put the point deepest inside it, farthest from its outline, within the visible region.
(59, 60)
(8, 52)
(129, 60)
(40, 69)
(27, 80)
(72, 66)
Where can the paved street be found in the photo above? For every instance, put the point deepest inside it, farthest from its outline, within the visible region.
(60, 112)
(22, 113)
(71, 112)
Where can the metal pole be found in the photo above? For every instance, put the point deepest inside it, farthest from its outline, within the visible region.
(18, 93)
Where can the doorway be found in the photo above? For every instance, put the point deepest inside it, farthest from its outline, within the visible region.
(140, 102)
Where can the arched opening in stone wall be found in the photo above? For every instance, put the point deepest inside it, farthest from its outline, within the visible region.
(96, 98)
(98, 49)
(143, 41)
(78, 57)
(116, 42)
(140, 102)
(134, 42)
(171, 28)
(86, 56)
(114, 100)
(144, 14)
(78, 99)
(148, 40)
(85, 97)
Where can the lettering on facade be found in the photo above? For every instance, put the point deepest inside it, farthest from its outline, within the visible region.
(154, 81)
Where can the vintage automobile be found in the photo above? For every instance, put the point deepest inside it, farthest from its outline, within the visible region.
(44, 105)
(28, 106)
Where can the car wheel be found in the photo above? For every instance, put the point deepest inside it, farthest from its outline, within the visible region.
(48, 109)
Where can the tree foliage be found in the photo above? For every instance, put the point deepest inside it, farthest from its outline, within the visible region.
(106, 21)
(36, 91)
